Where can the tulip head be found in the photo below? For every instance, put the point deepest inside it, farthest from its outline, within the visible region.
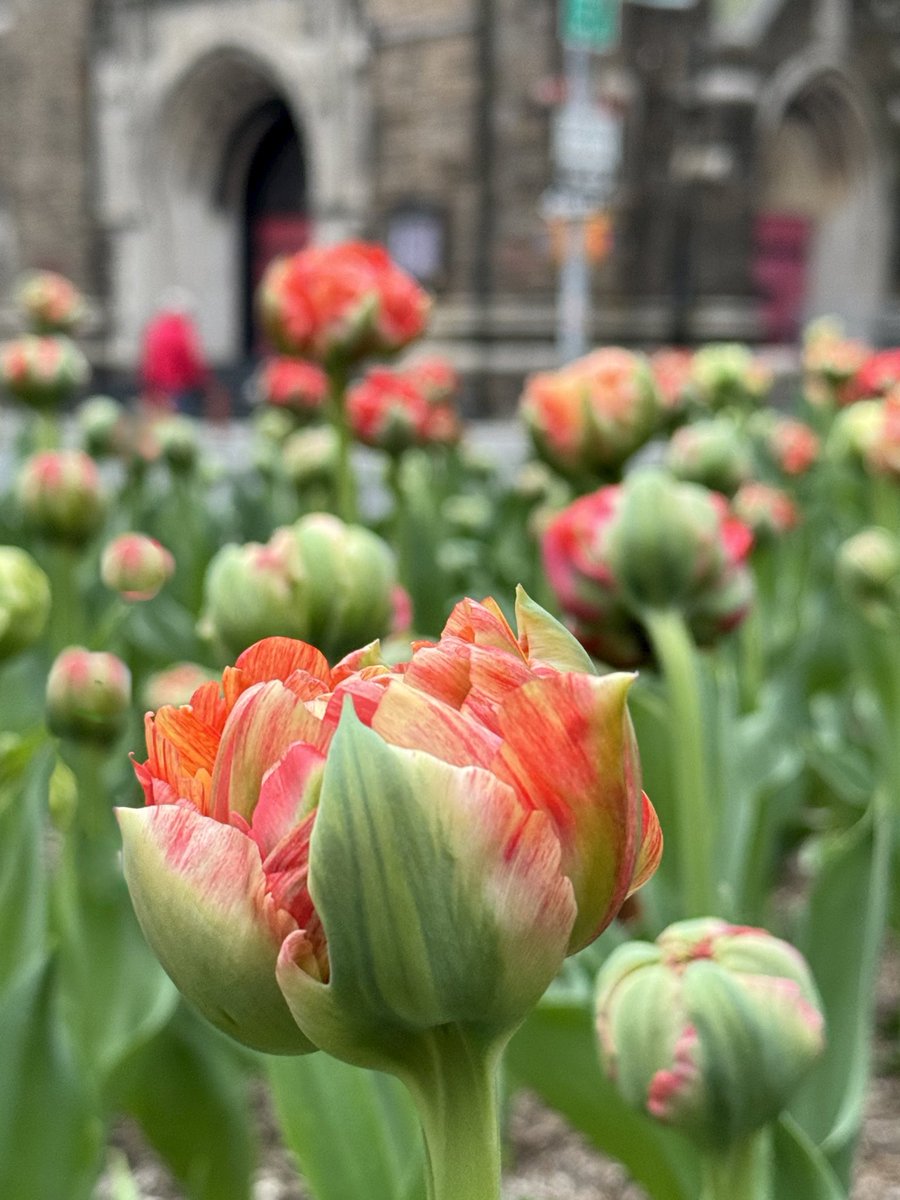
(293, 385)
(179, 446)
(868, 575)
(321, 579)
(793, 446)
(136, 566)
(60, 495)
(309, 457)
(349, 857)
(727, 375)
(24, 600)
(88, 695)
(710, 1029)
(769, 512)
(175, 685)
(102, 426)
(42, 372)
(711, 453)
(49, 302)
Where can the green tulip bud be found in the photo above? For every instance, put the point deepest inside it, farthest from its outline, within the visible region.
(310, 456)
(868, 574)
(710, 1029)
(88, 695)
(60, 495)
(178, 444)
(102, 426)
(712, 453)
(136, 566)
(854, 432)
(24, 600)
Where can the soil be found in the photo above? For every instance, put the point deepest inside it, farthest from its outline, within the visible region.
(547, 1160)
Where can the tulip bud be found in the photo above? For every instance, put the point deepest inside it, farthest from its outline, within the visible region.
(793, 446)
(136, 566)
(102, 426)
(727, 375)
(42, 372)
(292, 385)
(49, 302)
(178, 445)
(868, 574)
(60, 495)
(88, 695)
(319, 579)
(24, 600)
(175, 685)
(309, 457)
(709, 1030)
(854, 432)
(768, 511)
(711, 453)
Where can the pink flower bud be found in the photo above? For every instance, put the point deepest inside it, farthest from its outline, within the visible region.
(88, 695)
(60, 495)
(136, 566)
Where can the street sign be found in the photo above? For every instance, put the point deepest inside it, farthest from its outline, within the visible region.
(587, 149)
(591, 23)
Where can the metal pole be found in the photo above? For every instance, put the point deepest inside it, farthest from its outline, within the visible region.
(574, 285)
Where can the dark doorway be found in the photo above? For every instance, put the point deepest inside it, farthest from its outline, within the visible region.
(275, 217)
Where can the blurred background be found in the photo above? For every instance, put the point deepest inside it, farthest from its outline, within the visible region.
(555, 172)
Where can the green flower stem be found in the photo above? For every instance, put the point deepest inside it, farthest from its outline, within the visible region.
(399, 518)
(65, 611)
(740, 1172)
(454, 1085)
(677, 656)
(346, 483)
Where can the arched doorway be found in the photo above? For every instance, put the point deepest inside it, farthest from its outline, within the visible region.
(266, 173)
(822, 225)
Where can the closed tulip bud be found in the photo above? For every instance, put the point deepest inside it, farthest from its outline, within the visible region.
(710, 1029)
(88, 695)
(60, 495)
(49, 302)
(292, 385)
(793, 446)
(178, 443)
(868, 574)
(319, 578)
(727, 375)
(711, 453)
(136, 566)
(854, 433)
(310, 456)
(175, 685)
(24, 600)
(42, 372)
(768, 511)
(102, 427)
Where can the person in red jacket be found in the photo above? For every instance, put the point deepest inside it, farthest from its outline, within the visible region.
(174, 374)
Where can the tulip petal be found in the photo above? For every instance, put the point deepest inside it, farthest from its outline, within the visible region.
(284, 794)
(417, 721)
(483, 625)
(199, 894)
(569, 750)
(442, 899)
(546, 640)
(650, 853)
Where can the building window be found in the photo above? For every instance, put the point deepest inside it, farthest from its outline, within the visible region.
(416, 239)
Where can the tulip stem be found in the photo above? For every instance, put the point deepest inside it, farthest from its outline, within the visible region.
(677, 656)
(346, 484)
(739, 1172)
(455, 1090)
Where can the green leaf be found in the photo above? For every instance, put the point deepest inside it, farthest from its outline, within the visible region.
(188, 1090)
(24, 780)
(842, 941)
(799, 1168)
(50, 1133)
(555, 1054)
(322, 1104)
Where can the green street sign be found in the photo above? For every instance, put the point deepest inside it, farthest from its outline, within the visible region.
(591, 23)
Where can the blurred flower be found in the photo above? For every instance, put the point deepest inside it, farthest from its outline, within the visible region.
(710, 1029)
(330, 582)
(712, 452)
(793, 445)
(425, 860)
(882, 453)
(673, 373)
(290, 383)
(24, 600)
(309, 457)
(768, 511)
(591, 415)
(136, 566)
(103, 427)
(341, 303)
(726, 374)
(878, 374)
(435, 377)
(60, 495)
(175, 685)
(178, 442)
(387, 409)
(868, 574)
(88, 695)
(648, 543)
(855, 432)
(42, 372)
(49, 302)
(830, 363)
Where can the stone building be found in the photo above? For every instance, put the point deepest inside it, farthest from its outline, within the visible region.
(145, 143)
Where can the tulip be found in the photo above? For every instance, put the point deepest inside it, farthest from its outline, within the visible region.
(710, 452)
(593, 414)
(793, 446)
(392, 864)
(292, 384)
(868, 575)
(103, 427)
(855, 433)
(435, 377)
(24, 600)
(673, 375)
(728, 375)
(390, 411)
(136, 566)
(830, 363)
(709, 1030)
(175, 685)
(42, 372)
(177, 439)
(50, 302)
(341, 303)
(318, 579)
(309, 457)
(88, 695)
(767, 511)
(60, 495)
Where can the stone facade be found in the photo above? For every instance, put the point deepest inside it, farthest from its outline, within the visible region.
(760, 143)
